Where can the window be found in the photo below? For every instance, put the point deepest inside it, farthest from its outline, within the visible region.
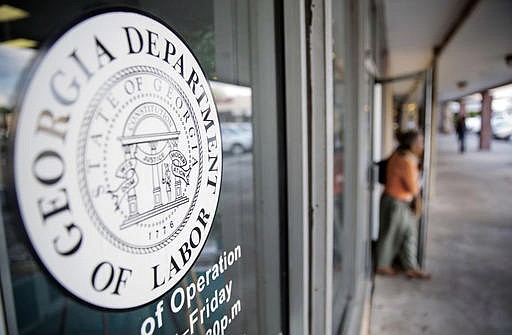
(218, 33)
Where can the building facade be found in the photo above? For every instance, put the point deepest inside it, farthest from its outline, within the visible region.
(302, 117)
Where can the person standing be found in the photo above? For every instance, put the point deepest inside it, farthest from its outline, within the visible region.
(460, 128)
(398, 233)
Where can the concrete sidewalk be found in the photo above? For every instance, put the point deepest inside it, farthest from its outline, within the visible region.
(469, 251)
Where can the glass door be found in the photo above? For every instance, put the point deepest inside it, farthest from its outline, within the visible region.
(220, 293)
(410, 111)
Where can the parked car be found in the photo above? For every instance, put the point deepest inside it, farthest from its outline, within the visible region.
(502, 128)
(236, 138)
(501, 124)
(473, 124)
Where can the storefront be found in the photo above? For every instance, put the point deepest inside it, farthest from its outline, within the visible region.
(125, 213)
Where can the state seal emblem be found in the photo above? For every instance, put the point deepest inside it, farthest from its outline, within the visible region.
(117, 159)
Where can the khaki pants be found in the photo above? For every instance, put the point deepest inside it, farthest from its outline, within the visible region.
(398, 234)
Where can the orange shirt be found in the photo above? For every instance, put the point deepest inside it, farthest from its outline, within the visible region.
(402, 176)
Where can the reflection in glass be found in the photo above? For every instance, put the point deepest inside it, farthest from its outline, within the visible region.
(217, 32)
(340, 283)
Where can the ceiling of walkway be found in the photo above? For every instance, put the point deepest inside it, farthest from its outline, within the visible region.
(473, 57)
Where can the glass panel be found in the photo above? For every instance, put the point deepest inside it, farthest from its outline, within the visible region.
(217, 31)
(368, 80)
(340, 276)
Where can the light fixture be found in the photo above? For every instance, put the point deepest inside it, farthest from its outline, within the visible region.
(10, 13)
(20, 43)
(508, 60)
(462, 84)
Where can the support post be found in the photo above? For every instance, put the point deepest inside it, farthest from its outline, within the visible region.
(486, 130)
(446, 119)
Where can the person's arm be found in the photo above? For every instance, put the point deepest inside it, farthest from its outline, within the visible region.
(410, 177)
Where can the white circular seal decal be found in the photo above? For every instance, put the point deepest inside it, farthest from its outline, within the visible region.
(117, 159)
